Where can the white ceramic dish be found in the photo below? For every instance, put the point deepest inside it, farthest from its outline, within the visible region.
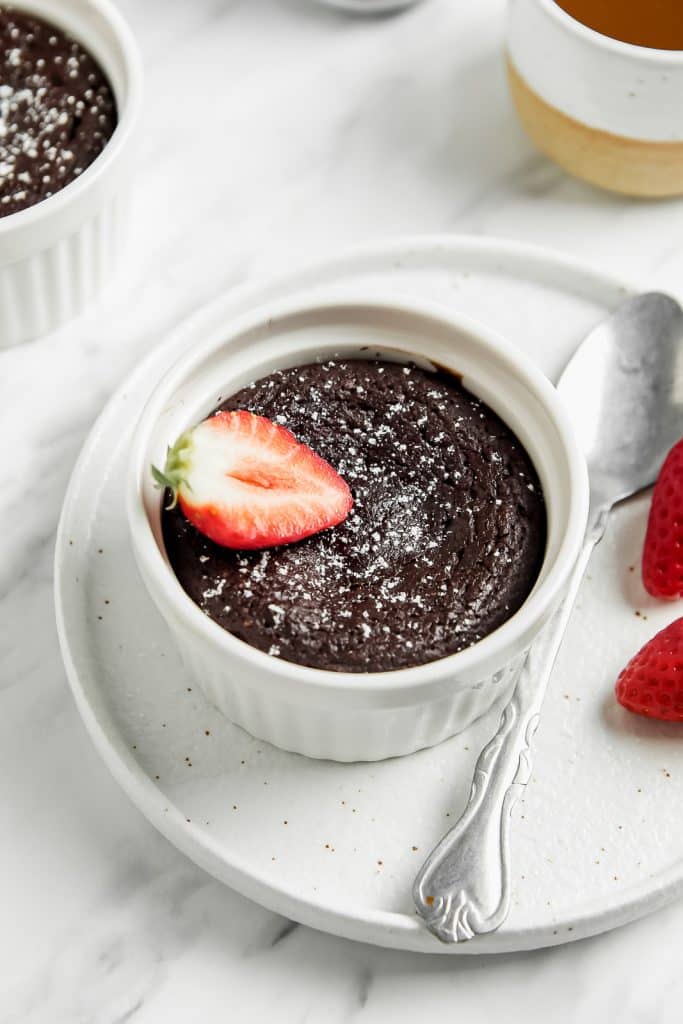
(56, 255)
(605, 110)
(596, 839)
(340, 715)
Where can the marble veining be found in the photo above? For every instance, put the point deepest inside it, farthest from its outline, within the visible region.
(273, 131)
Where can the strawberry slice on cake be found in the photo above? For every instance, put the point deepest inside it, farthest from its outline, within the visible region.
(246, 482)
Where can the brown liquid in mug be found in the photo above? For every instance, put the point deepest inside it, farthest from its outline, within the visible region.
(653, 23)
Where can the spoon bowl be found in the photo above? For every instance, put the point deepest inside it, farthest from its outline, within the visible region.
(623, 389)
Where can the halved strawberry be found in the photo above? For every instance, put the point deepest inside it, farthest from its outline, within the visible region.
(663, 551)
(246, 482)
(652, 682)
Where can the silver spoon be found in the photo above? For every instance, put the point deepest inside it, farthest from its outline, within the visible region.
(624, 390)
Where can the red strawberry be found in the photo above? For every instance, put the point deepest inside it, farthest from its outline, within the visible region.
(663, 552)
(245, 482)
(652, 682)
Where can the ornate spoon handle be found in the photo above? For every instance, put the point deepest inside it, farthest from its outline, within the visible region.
(463, 888)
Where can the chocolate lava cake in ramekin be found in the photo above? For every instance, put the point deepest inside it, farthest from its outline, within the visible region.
(405, 620)
(70, 92)
(443, 544)
(57, 110)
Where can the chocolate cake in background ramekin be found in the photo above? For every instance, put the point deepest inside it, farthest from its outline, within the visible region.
(444, 542)
(70, 90)
(57, 110)
(368, 715)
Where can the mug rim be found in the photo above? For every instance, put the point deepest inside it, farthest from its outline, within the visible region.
(618, 46)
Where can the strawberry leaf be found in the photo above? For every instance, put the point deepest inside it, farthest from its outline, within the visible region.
(174, 475)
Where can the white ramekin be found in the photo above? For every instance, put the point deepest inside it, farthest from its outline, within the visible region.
(57, 254)
(606, 111)
(348, 716)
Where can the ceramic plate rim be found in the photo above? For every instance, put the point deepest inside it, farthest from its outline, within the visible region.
(384, 928)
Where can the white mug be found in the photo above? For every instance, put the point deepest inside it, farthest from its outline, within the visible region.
(606, 111)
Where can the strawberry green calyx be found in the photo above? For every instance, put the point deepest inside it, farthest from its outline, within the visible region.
(176, 469)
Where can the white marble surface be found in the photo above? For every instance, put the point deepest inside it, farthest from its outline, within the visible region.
(273, 130)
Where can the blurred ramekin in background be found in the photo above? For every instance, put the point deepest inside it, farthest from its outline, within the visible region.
(369, 7)
(56, 255)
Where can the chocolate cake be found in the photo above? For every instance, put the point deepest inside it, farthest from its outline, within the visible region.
(444, 542)
(57, 110)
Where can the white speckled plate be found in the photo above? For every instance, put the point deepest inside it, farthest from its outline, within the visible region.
(598, 839)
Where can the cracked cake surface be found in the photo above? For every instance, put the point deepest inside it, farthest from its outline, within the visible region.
(444, 542)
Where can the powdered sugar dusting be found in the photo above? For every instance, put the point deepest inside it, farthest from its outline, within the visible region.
(57, 111)
(444, 540)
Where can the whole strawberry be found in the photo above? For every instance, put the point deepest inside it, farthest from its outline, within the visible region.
(652, 682)
(663, 551)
